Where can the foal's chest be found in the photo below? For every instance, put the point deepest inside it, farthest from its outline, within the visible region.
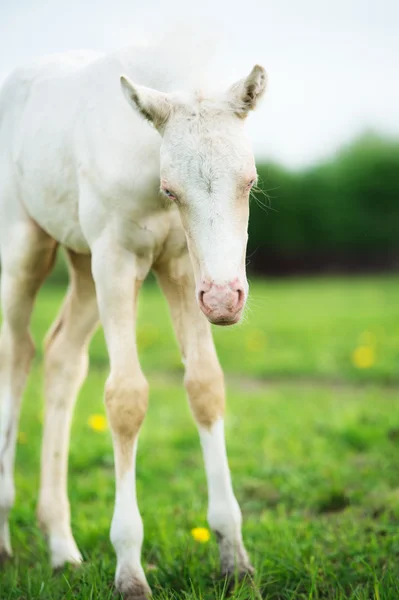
(144, 236)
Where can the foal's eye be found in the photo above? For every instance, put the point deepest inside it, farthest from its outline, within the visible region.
(169, 194)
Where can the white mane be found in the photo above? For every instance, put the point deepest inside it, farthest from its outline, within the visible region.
(179, 60)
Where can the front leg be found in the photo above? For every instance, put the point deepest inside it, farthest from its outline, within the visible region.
(117, 278)
(205, 387)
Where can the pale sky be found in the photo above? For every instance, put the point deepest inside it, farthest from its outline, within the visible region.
(333, 65)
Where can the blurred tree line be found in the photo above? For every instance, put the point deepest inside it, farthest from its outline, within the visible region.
(340, 215)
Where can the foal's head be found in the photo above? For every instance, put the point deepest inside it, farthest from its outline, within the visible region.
(208, 169)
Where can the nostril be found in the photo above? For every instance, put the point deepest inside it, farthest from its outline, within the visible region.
(240, 298)
(201, 294)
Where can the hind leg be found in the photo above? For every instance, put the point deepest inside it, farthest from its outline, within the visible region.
(27, 256)
(66, 363)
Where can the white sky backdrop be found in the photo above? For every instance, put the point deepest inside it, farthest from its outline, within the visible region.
(333, 64)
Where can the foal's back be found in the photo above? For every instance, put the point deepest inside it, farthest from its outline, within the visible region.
(63, 119)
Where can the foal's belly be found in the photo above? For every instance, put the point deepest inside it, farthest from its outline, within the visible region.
(58, 215)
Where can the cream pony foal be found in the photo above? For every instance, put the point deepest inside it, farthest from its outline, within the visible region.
(81, 169)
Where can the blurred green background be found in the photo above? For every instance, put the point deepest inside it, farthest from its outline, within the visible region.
(342, 214)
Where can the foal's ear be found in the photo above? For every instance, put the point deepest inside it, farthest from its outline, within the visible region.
(245, 94)
(154, 106)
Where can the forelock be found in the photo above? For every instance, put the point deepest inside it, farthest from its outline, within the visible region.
(199, 110)
(203, 134)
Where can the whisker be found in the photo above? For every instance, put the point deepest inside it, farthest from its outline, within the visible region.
(257, 191)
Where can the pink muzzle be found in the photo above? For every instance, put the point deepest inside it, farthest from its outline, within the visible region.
(222, 304)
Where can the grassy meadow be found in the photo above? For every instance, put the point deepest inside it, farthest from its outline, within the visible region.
(312, 429)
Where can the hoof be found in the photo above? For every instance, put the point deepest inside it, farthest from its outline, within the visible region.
(134, 589)
(4, 557)
(65, 564)
(235, 576)
(64, 552)
(136, 596)
(239, 572)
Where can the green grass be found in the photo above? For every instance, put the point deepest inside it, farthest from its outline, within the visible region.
(313, 443)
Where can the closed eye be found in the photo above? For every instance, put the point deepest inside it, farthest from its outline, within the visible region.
(251, 183)
(168, 193)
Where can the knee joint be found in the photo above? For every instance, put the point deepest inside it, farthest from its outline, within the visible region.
(65, 370)
(205, 389)
(66, 359)
(126, 401)
(18, 343)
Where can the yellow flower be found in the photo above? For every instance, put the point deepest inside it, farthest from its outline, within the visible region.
(255, 340)
(363, 357)
(22, 439)
(97, 422)
(201, 534)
